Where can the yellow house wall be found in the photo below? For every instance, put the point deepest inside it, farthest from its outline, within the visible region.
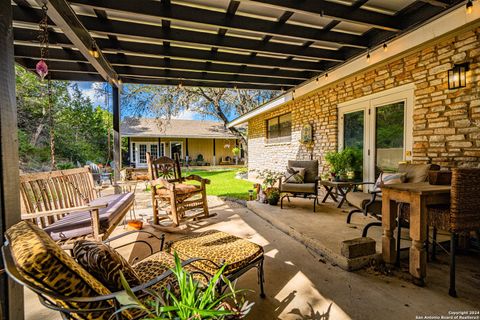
(195, 147)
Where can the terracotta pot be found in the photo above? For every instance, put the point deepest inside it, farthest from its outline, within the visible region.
(135, 224)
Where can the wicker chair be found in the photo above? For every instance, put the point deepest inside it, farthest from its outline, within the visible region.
(462, 215)
(371, 203)
(171, 195)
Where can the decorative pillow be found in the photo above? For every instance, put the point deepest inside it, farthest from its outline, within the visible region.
(294, 175)
(389, 178)
(105, 264)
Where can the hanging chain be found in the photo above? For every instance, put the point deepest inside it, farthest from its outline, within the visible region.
(43, 36)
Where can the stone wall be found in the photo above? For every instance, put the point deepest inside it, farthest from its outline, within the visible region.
(444, 129)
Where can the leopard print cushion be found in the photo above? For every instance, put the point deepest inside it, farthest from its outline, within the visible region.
(154, 265)
(40, 260)
(105, 264)
(220, 247)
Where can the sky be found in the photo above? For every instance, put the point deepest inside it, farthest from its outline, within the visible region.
(88, 90)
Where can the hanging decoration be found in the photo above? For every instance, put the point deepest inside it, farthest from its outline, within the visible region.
(42, 67)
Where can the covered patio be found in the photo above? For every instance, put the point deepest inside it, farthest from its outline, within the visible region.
(307, 50)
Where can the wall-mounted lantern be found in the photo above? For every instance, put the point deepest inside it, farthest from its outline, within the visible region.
(457, 76)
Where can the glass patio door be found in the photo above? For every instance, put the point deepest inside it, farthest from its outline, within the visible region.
(352, 133)
(176, 147)
(389, 136)
(381, 127)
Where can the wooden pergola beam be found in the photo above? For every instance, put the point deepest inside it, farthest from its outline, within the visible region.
(11, 294)
(176, 12)
(60, 12)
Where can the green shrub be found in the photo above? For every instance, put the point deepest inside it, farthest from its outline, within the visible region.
(192, 300)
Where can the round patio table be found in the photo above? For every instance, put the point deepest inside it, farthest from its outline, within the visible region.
(341, 189)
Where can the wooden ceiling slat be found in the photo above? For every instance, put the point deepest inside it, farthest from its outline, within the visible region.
(25, 51)
(176, 52)
(119, 28)
(335, 11)
(179, 76)
(177, 12)
(77, 76)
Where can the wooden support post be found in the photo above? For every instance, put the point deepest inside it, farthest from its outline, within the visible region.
(129, 152)
(160, 148)
(214, 155)
(117, 151)
(11, 294)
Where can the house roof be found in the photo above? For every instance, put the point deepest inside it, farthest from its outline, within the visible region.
(174, 128)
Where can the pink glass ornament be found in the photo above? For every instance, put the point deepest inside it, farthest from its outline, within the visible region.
(42, 69)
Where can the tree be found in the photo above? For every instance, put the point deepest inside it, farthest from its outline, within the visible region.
(80, 129)
(164, 102)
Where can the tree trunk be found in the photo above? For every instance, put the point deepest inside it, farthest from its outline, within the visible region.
(36, 135)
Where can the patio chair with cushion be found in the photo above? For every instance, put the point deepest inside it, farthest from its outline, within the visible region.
(84, 288)
(86, 284)
(171, 195)
(301, 180)
(370, 203)
(461, 216)
(200, 161)
(226, 160)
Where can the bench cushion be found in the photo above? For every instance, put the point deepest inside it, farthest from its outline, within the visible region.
(219, 247)
(39, 259)
(79, 224)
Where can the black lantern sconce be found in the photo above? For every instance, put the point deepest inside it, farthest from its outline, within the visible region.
(457, 76)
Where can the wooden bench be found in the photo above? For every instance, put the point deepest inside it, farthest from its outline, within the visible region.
(66, 205)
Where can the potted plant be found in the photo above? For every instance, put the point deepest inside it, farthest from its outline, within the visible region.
(337, 163)
(345, 164)
(236, 154)
(189, 300)
(273, 196)
(269, 179)
(354, 162)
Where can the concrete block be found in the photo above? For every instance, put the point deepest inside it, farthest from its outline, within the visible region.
(358, 247)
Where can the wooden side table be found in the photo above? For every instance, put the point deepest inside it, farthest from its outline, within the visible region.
(419, 196)
(342, 187)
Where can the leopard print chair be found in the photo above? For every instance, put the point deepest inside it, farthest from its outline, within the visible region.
(69, 286)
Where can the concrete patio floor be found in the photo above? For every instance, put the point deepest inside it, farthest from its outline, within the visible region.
(300, 284)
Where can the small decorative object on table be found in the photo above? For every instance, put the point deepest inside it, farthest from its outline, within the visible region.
(441, 177)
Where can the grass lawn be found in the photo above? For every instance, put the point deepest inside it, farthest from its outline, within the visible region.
(224, 184)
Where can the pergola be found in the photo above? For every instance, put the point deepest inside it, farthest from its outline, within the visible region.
(254, 44)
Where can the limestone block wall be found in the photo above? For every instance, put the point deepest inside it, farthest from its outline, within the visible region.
(444, 121)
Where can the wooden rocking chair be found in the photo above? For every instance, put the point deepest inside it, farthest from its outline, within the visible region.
(171, 195)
